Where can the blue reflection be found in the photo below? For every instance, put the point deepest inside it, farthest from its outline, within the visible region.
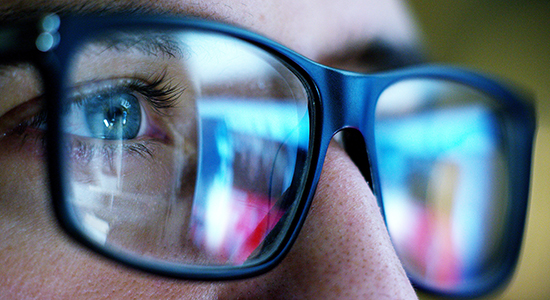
(440, 175)
(247, 157)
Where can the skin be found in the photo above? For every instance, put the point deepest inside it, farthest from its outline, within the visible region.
(343, 251)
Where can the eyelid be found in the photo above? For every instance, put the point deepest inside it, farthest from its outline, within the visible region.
(18, 84)
(21, 114)
(159, 93)
(84, 90)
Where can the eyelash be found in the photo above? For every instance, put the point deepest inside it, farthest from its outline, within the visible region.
(158, 92)
(38, 121)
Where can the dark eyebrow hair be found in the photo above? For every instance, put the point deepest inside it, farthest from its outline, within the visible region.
(149, 43)
(383, 56)
(22, 10)
(377, 55)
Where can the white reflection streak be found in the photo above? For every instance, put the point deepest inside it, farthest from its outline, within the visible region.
(218, 202)
(117, 161)
(217, 218)
(88, 200)
(88, 196)
(405, 214)
(98, 229)
(216, 58)
(395, 103)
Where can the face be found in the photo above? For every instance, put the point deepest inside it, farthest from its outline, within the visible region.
(343, 251)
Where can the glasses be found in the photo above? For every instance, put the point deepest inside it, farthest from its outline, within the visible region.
(192, 149)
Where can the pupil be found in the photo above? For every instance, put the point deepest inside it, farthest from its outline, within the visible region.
(114, 116)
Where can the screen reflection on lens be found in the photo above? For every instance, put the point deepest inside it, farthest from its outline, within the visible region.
(442, 166)
(183, 145)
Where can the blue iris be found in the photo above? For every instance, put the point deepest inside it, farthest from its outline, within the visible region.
(113, 116)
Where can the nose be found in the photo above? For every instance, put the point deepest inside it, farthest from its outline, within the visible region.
(343, 250)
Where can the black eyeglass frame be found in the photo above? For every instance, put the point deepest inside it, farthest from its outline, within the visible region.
(338, 100)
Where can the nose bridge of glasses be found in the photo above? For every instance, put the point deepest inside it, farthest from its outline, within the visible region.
(346, 98)
(346, 102)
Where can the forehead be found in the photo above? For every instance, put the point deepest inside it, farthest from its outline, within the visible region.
(315, 28)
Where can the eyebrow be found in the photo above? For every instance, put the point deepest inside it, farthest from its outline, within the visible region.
(384, 56)
(375, 55)
(22, 11)
(148, 43)
(25, 10)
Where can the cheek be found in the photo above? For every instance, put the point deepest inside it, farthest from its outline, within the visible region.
(23, 190)
(38, 260)
(26, 224)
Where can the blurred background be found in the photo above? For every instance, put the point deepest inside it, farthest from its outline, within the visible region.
(510, 39)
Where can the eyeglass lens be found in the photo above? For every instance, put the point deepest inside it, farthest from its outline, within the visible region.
(184, 146)
(443, 174)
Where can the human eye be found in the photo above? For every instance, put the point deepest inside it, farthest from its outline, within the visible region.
(113, 114)
(125, 112)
